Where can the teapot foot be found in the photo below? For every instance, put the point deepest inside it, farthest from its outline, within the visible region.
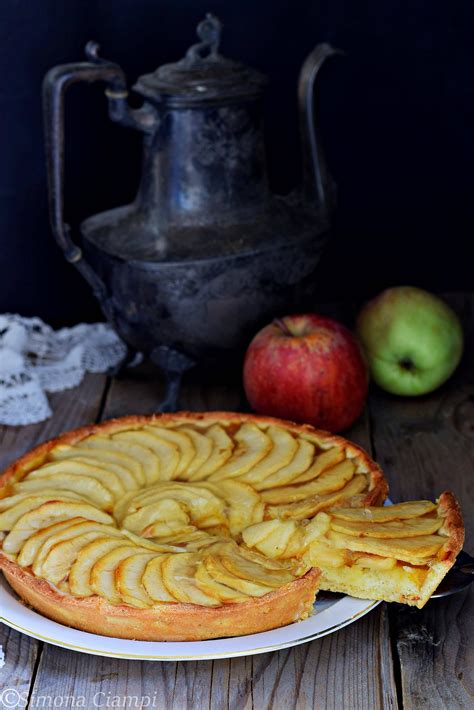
(131, 357)
(173, 364)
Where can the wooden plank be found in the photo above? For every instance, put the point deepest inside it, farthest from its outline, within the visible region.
(71, 408)
(352, 668)
(426, 446)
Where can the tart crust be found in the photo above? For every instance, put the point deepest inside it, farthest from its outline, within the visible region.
(166, 622)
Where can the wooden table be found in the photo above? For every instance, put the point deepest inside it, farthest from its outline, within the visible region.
(394, 657)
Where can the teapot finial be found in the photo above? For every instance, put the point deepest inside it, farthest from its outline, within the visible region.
(209, 32)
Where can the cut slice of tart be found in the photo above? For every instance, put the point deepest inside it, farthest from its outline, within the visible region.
(395, 553)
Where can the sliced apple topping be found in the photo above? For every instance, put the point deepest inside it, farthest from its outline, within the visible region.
(46, 515)
(152, 580)
(328, 481)
(30, 549)
(24, 503)
(80, 573)
(222, 447)
(165, 452)
(181, 440)
(217, 570)
(379, 514)
(128, 580)
(52, 551)
(284, 448)
(406, 528)
(87, 487)
(202, 451)
(101, 459)
(178, 573)
(323, 461)
(148, 460)
(102, 576)
(252, 446)
(308, 507)
(415, 550)
(218, 591)
(300, 463)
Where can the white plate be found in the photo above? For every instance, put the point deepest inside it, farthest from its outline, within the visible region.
(329, 615)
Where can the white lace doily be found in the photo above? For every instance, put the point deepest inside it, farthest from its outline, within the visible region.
(35, 359)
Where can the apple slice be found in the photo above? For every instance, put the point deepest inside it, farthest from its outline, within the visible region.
(374, 562)
(163, 510)
(166, 452)
(128, 457)
(102, 579)
(273, 544)
(263, 560)
(150, 545)
(323, 461)
(200, 503)
(322, 554)
(384, 514)
(309, 507)
(219, 591)
(128, 580)
(300, 463)
(217, 571)
(244, 503)
(46, 515)
(252, 446)
(75, 467)
(331, 480)
(255, 572)
(100, 459)
(80, 572)
(178, 576)
(202, 447)
(394, 529)
(28, 502)
(10, 501)
(31, 547)
(142, 454)
(78, 527)
(222, 447)
(415, 550)
(57, 563)
(197, 539)
(284, 448)
(86, 486)
(181, 440)
(121, 508)
(152, 580)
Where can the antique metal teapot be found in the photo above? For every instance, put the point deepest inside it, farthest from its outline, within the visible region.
(205, 253)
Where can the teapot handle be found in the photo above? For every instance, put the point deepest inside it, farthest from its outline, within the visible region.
(55, 83)
(318, 186)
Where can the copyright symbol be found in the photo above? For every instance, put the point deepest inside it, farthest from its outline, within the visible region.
(10, 698)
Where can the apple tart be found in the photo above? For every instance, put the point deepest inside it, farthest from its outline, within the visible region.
(194, 526)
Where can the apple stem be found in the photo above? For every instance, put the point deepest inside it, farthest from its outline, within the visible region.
(283, 326)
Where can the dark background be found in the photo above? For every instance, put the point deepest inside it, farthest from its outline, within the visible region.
(396, 114)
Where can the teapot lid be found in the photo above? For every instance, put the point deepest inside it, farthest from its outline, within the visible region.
(203, 75)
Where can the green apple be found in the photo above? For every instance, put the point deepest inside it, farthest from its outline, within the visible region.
(412, 340)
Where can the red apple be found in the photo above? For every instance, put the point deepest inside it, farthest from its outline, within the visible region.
(306, 368)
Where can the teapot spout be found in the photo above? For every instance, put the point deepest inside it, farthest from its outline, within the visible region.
(319, 188)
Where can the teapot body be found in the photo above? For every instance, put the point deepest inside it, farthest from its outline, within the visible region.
(209, 308)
